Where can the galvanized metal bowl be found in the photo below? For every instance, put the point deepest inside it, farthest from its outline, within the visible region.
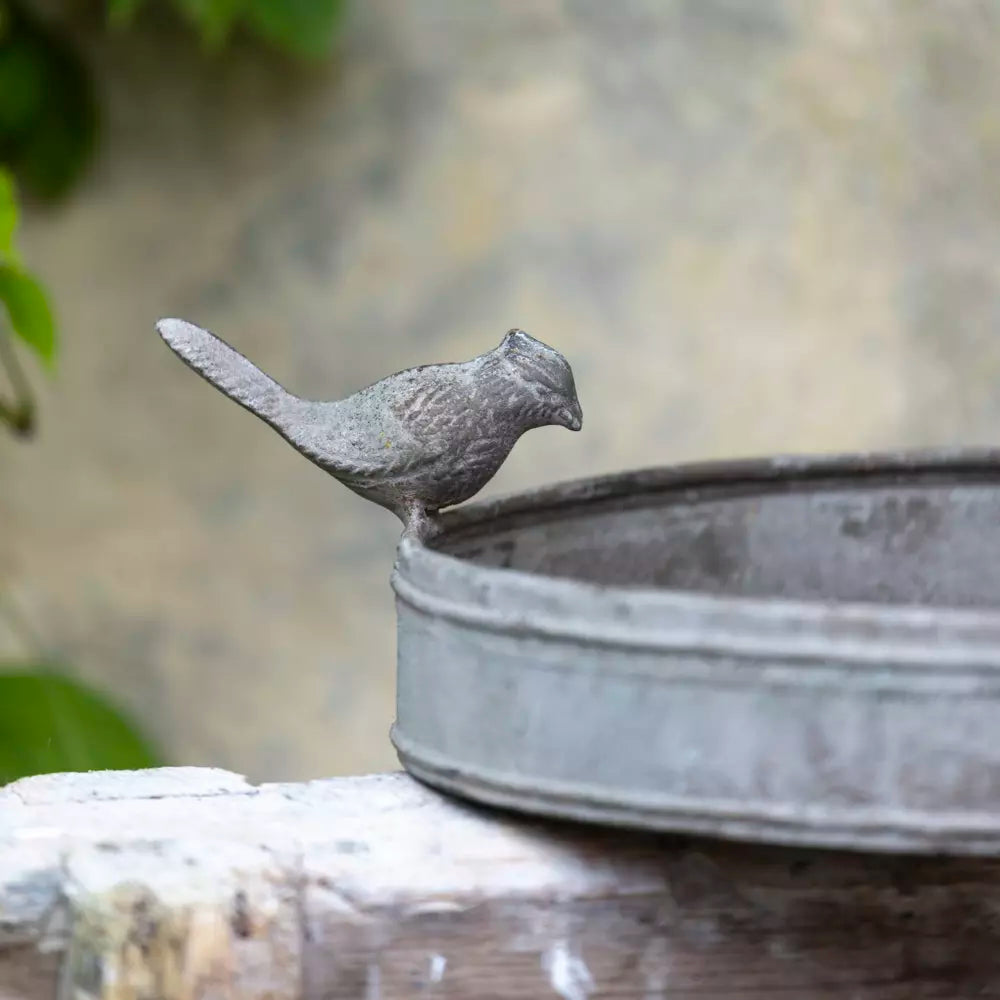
(791, 650)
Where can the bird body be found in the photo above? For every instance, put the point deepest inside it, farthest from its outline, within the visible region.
(414, 442)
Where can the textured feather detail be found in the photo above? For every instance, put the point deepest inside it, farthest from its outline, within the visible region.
(224, 366)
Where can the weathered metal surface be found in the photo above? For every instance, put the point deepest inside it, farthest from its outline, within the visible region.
(798, 651)
(413, 442)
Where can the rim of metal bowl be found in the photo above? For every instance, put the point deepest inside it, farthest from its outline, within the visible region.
(636, 616)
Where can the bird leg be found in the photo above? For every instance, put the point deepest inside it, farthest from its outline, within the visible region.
(420, 523)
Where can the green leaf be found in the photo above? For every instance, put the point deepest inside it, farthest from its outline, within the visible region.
(22, 84)
(49, 723)
(122, 11)
(303, 27)
(8, 215)
(48, 110)
(214, 18)
(29, 312)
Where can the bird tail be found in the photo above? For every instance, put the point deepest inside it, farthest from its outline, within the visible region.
(227, 369)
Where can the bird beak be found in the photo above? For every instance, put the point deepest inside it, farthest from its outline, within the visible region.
(571, 416)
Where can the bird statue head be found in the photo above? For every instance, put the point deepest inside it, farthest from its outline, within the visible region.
(547, 377)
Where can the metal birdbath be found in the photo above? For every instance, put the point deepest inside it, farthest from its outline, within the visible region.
(797, 651)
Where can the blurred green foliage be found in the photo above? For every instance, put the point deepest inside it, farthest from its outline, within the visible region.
(50, 723)
(302, 28)
(28, 317)
(47, 722)
(48, 107)
(48, 114)
(48, 131)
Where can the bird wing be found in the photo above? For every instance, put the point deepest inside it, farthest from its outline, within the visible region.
(379, 433)
(436, 413)
(396, 428)
(409, 425)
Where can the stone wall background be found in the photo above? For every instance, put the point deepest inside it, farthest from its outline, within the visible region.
(758, 226)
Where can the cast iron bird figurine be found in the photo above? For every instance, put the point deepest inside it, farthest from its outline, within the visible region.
(414, 442)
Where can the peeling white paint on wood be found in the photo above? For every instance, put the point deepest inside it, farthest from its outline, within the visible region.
(438, 963)
(568, 973)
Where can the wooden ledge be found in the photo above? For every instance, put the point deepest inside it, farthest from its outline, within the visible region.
(190, 883)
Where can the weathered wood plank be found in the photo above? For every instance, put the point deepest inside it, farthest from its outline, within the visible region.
(190, 884)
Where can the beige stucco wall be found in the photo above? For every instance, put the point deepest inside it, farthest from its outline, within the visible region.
(753, 227)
